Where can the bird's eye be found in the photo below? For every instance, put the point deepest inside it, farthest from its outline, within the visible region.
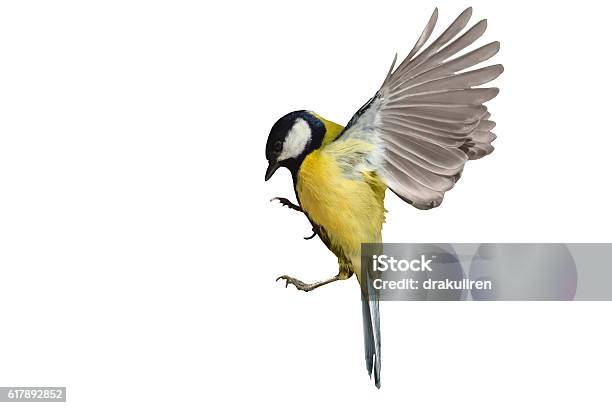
(278, 145)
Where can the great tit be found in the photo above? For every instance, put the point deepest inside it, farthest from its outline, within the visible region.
(413, 136)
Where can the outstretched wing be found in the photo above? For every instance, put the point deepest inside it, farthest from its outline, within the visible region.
(428, 118)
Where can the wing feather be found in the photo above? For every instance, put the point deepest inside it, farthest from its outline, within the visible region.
(454, 29)
(453, 127)
(431, 24)
(432, 181)
(409, 126)
(443, 112)
(453, 48)
(401, 131)
(463, 80)
(455, 65)
(469, 97)
(437, 155)
(428, 118)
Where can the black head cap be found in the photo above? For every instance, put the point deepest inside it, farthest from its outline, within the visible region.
(279, 155)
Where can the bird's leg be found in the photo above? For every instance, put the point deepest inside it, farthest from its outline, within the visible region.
(306, 287)
(288, 203)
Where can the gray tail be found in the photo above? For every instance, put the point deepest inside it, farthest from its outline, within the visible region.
(371, 328)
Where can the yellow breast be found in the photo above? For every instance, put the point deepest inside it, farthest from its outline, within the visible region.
(350, 209)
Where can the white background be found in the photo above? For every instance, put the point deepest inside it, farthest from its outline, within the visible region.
(138, 249)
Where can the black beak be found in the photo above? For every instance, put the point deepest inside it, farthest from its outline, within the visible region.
(272, 167)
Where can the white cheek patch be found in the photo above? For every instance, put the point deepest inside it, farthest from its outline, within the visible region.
(296, 140)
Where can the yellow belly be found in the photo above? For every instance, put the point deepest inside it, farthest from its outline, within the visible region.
(350, 210)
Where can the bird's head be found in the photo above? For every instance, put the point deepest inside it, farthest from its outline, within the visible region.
(292, 137)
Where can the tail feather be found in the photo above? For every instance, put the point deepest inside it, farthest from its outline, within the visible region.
(368, 336)
(371, 328)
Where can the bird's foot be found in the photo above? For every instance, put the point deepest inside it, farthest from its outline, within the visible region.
(296, 282)
(287, 203)
(315, 231)
(306, 287)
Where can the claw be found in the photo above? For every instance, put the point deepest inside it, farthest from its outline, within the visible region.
(299, 285)
(315, 231)
(287, 203)
(314, 234)
(306, 287)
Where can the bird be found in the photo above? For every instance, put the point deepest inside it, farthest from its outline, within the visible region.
(413, 137)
